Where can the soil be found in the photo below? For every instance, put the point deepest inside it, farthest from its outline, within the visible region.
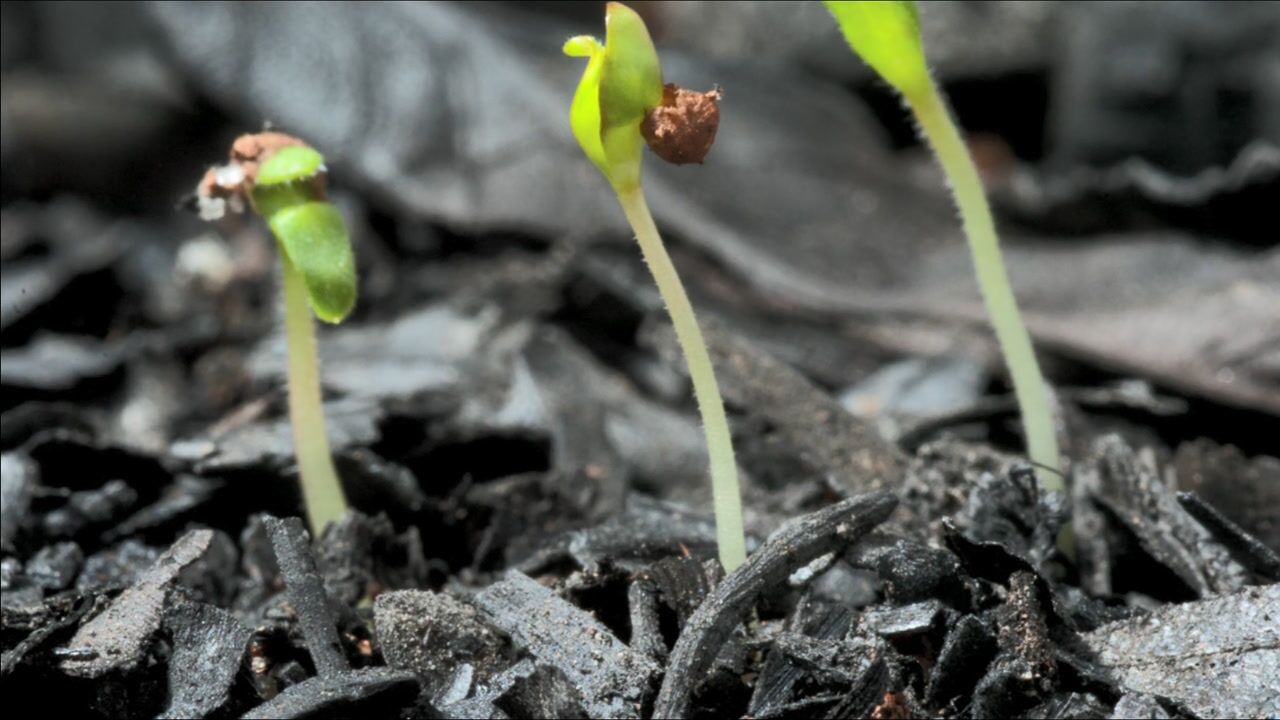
(529, 533)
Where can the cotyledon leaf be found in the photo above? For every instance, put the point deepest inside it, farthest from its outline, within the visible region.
(886, 35)
(290, 164)
(621, 83)
(309, 230)
(314, 240)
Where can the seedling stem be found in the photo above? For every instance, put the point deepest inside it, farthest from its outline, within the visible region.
(620, 94)
(887, 36)
(724, 470)
(283, 180)
(321, 491)
(993, 280)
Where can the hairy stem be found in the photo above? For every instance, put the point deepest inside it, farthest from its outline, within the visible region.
(321, 491)
(730, 537)
(1028, 384)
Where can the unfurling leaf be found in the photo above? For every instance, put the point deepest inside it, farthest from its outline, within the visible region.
(622, 82)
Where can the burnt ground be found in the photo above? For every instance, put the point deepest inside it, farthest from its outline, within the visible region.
(530, 532)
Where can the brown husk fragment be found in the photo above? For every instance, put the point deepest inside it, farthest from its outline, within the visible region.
(683, 128)
(233, 183)
(248, 152)
(257, 147)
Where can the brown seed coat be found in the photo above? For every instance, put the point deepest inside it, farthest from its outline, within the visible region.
(683, 128)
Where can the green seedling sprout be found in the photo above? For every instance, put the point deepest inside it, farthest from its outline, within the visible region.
(620, 102)
(284, 181)
(887, 37)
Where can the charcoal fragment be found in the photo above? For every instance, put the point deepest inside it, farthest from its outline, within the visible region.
(912, 571)
(309, 600)
(1009, 509)
(986, 560)
(1128, 485)
(345, 556)
(208, 644)
(682, 583)
(776, 688)
(372, 692)
(54, 616)
(118, 638)
(435, 635)
(258, 558)
(1245, 489)
(358, 554)
(613, 680)
(648, 529)
(212, 579)
(1024, 671)
(788, 549)
(845, 585)
(1246, 549)
(1217, 657)
(968, 649)
(380, 484)
(851, 673)
(646, 630)
(896, 622)
(993, 562)
(544, 693)
(482, 704)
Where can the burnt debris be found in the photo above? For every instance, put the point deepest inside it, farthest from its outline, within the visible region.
(530, 533)
(613, 680)
(307, 595)
(789, 549)
(1214, 657)
(119, 638)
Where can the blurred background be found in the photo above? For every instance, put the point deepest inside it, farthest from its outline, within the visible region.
(1130, 149)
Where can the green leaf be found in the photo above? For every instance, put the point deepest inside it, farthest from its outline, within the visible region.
(289, 164)
(886, 35)
(314, 238)
(584, 113)
(631, 80)
(622, 82)
(286, 179)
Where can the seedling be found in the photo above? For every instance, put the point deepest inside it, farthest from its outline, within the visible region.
(283, 179)
(887, 37)
(619, 104)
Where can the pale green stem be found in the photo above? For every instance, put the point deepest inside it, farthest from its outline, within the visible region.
(724, 470)
(1028, 384)
(321, 491)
